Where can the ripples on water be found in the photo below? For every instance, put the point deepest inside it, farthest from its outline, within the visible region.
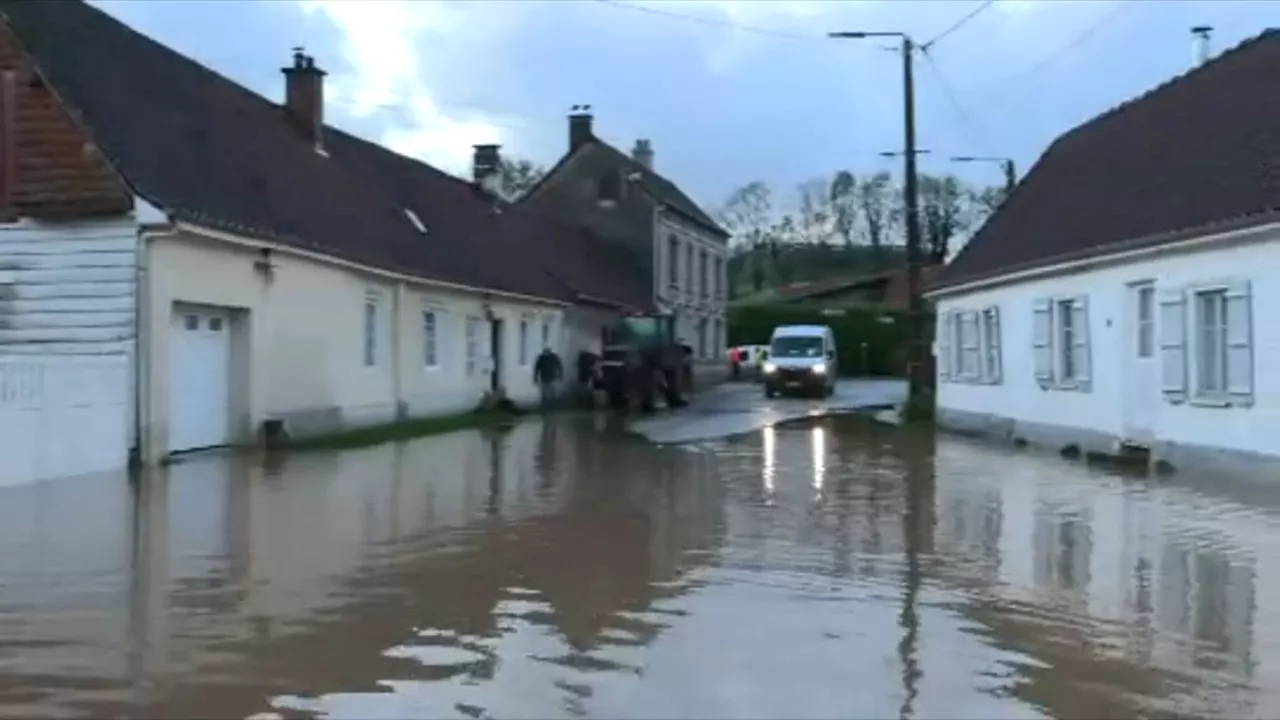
(826, 569)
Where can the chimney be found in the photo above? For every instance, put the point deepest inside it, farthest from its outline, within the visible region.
(643, 153)
(484, 162)
(304, 97)
(1200, 44)
(8, 143)
(579, 126)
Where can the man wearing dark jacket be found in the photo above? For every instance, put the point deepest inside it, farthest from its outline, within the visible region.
(547, 371)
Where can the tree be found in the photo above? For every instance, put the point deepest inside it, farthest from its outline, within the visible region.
(945, 211)
(814, 211)
(746, 215)
(874, 198)
(844, 205)
(518, 176)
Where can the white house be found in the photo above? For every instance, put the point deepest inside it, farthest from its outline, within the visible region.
(1110, 301)
(185, 264)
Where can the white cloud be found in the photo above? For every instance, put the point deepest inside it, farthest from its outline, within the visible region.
(380, 44)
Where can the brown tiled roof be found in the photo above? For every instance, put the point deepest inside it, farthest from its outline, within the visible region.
(205, 149)
(1197, 153)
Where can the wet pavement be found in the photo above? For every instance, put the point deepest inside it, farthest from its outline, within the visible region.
(827, 567)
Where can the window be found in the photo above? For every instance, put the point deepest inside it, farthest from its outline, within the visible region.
(688, 268)
(968, 342)
(1146, 327)
(473, 345)
(370, 330)
(430, 339)
(673, 260)
(524, 341)
(1060, 343)
(1211, 342)
(704, 288)
(968, 345)
(1066, 341)
(191, 322)
(215, 324)
(546, 332)
(702, 338)
(717, 338)
(719, 278)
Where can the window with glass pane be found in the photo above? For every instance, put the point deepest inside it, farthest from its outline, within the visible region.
(430, 351)
(673, 260)
(524, 342)
(473, 345)
(370, 331)
(991, 349)
(1146, 322)
(1211, 341)
(1066, 340)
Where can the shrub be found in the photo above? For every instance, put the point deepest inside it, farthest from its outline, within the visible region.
(869, 341)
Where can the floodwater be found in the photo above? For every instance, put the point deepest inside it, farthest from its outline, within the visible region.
(831, 568)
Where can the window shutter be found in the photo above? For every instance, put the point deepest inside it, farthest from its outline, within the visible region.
(1042, 341)
(1173, 345)
(1080, 351)
(943, 345)
(995, 345)
(1239, 344)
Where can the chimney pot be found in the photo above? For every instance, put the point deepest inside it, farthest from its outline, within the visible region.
(485, 161)
(1200, 36)
(642, 153)
(580, 132)
(304, 97)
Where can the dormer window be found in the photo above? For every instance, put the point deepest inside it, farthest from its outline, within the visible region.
(609, 187)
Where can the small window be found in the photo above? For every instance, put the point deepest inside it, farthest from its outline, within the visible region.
(969, 344)
(990, 345)
(215, 324)
(1211, 343)
(191, 322)
(370, 330)
(430, 339)
(1066, 340)
(704, 287)
(673, 260)
(1146, 321)
(524, 342)
(546, 333)
(688, 268)
(473, 345)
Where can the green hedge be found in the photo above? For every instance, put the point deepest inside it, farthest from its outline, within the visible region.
(870, 342)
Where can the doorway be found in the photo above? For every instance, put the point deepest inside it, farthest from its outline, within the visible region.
(495, 352)
(1140, 396)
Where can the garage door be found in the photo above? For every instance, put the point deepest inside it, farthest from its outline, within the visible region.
(199, 379)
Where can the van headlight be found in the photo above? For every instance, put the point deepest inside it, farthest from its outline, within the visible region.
(769, 368)
(820, 369)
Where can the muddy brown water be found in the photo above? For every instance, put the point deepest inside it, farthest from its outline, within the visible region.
(821, 569)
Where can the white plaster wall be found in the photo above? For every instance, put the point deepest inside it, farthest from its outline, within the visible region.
(685, 297)
(1021, 398)
(298, 340)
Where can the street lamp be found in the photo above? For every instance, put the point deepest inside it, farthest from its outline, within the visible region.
(919, 378)
(1006, 166)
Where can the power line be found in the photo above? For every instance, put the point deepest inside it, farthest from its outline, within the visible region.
(714, 22)
(1063, 51)
(954, 101)
(959, 23)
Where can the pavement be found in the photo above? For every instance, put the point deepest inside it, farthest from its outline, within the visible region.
(735, 408)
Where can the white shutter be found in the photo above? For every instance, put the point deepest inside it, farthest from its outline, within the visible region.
(1080, 350)
(1239, 344)
(1173, 344)
(942, 346)
(1042, 340)
(998, 370)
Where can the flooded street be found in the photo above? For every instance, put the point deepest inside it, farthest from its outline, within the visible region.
(823, 568)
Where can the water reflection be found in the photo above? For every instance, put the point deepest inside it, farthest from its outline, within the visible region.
(559, 570)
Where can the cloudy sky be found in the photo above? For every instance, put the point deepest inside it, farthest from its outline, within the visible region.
(728, 91)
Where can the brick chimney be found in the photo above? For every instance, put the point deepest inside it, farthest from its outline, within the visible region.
(643, 153)
(304, 97)
(579, 126)
(8, 144)
(485, 162)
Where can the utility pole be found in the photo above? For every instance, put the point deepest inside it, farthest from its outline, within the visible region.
(920, 378)
(1006, 166)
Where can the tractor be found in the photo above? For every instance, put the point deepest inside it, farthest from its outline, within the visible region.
(642, 358)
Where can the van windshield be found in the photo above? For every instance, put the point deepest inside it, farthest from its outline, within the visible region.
(796, 347)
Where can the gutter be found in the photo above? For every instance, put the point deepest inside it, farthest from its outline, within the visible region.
(1121, 253)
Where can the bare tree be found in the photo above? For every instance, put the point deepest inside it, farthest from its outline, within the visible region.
(747, 214)
(844, 205)
(813, 224)
(875, 197)
(518, 176)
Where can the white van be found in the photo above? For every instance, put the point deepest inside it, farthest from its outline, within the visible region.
(802, 358)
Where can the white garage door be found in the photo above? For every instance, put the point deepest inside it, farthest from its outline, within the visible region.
(199, 379)
(63, 415)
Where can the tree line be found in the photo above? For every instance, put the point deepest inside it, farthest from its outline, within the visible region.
(843, 224)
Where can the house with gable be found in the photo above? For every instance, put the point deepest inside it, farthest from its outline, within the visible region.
(1119, 297)
(620, 198)
(185, 264)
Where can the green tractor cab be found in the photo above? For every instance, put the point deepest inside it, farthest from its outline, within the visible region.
(642, 358)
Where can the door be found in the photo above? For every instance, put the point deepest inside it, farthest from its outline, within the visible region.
(495, 352)
(199, 379)
(1140, 394)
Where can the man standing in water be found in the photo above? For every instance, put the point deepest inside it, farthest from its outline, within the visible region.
(547, 372)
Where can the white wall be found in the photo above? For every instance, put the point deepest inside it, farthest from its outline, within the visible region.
(685, 295)
(298, 340)
(1020, 398)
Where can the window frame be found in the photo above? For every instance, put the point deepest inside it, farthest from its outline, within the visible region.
(673, 260)
(1197, 294)
(471, 345)
(523, 340)
(431, 338)
(1065, 372)
(1144, 339)
(371, 320)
